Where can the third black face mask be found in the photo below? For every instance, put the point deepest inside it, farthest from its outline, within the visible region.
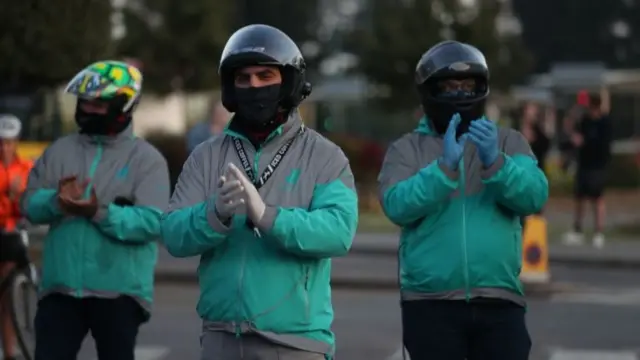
(258, 105)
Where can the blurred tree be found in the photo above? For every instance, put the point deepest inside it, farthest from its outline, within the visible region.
(297, 18)
(581, 30)
(392, 36)
(178, 42)
(44, 42)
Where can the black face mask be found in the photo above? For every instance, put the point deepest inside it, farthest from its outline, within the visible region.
(258, 105)
(111, 123)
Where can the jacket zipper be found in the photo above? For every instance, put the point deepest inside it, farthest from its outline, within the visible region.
(467, 295)
(87, 193)
(306, 294)
(243, 260)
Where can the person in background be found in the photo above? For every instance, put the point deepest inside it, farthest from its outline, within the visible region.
(457, 186)
(202, 131)
(592, 137)
(537, 128)
(13, 181)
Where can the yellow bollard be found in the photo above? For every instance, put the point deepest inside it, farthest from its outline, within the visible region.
(535, 251)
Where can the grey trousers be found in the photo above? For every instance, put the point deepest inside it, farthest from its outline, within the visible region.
(226, 346)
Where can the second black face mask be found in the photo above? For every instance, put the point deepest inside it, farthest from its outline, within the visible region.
(258, 105)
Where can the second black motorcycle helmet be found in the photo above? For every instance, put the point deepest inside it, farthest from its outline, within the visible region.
(264, 45)
(452, 60)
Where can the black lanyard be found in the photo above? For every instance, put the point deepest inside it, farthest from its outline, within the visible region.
(273, 165)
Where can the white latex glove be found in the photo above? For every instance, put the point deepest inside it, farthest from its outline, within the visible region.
(230, 196)
(255, 205)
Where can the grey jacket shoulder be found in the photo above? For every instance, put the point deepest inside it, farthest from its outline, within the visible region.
(324, 146)
(513, 142)
(409, 142)
(145, 149)
(64, 143)
(329, 157)
(208, 148)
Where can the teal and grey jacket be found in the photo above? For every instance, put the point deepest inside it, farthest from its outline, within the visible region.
(461, 234)
(115, 252)
(277, 285)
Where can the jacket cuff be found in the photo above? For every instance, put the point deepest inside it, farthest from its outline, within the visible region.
(214, 221)
(55, 205)
(489, 172)
(266, 223)
(101, 214)
(451, 174)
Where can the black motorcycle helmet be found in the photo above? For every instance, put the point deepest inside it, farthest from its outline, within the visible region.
(264, 45)
(452, 60)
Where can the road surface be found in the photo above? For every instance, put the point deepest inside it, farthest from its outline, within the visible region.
(600, 321)
(600, 316)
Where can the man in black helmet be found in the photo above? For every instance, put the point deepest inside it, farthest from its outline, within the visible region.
(457, 186)
(265, 205)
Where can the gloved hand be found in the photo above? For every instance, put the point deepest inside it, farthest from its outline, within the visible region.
(453, 149)
(229, 197)
(484, 134)
(255, 204)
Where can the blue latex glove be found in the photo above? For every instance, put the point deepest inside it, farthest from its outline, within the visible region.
(484, 134)
(453, 149)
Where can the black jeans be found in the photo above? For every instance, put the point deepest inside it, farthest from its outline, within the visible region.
(457, 330)
(63, 321)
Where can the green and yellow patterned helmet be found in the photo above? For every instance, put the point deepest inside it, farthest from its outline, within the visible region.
(106, 80)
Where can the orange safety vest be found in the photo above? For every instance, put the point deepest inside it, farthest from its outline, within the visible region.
(17, 171)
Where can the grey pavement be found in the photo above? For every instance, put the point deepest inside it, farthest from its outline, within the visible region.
(367, 326)
(600, 320)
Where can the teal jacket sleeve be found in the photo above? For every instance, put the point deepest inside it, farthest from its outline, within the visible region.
(39, 201)
(408, 192)
(328, 227)
(190, 226)
(515, 178)
(139, 223)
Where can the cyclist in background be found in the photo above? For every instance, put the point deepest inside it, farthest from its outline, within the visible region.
(13, 180)
(102, 191)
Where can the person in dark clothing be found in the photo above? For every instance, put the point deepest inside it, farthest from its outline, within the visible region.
(536, 132)
(592, 138)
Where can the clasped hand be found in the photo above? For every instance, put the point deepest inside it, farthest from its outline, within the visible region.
(70, 198)
(235, 190)
(483, 134)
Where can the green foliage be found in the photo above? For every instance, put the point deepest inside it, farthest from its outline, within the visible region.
(571, 30)
(45, 43)
(299, 19)
(178, 42)
(393, 35)
(624, 172)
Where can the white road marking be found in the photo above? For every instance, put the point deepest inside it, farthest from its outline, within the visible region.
(564, 354)
(398, 355)
(627, 297)
(150, 352)
(592, 355)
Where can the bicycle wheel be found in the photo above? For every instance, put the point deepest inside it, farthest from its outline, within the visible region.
(23, 301)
